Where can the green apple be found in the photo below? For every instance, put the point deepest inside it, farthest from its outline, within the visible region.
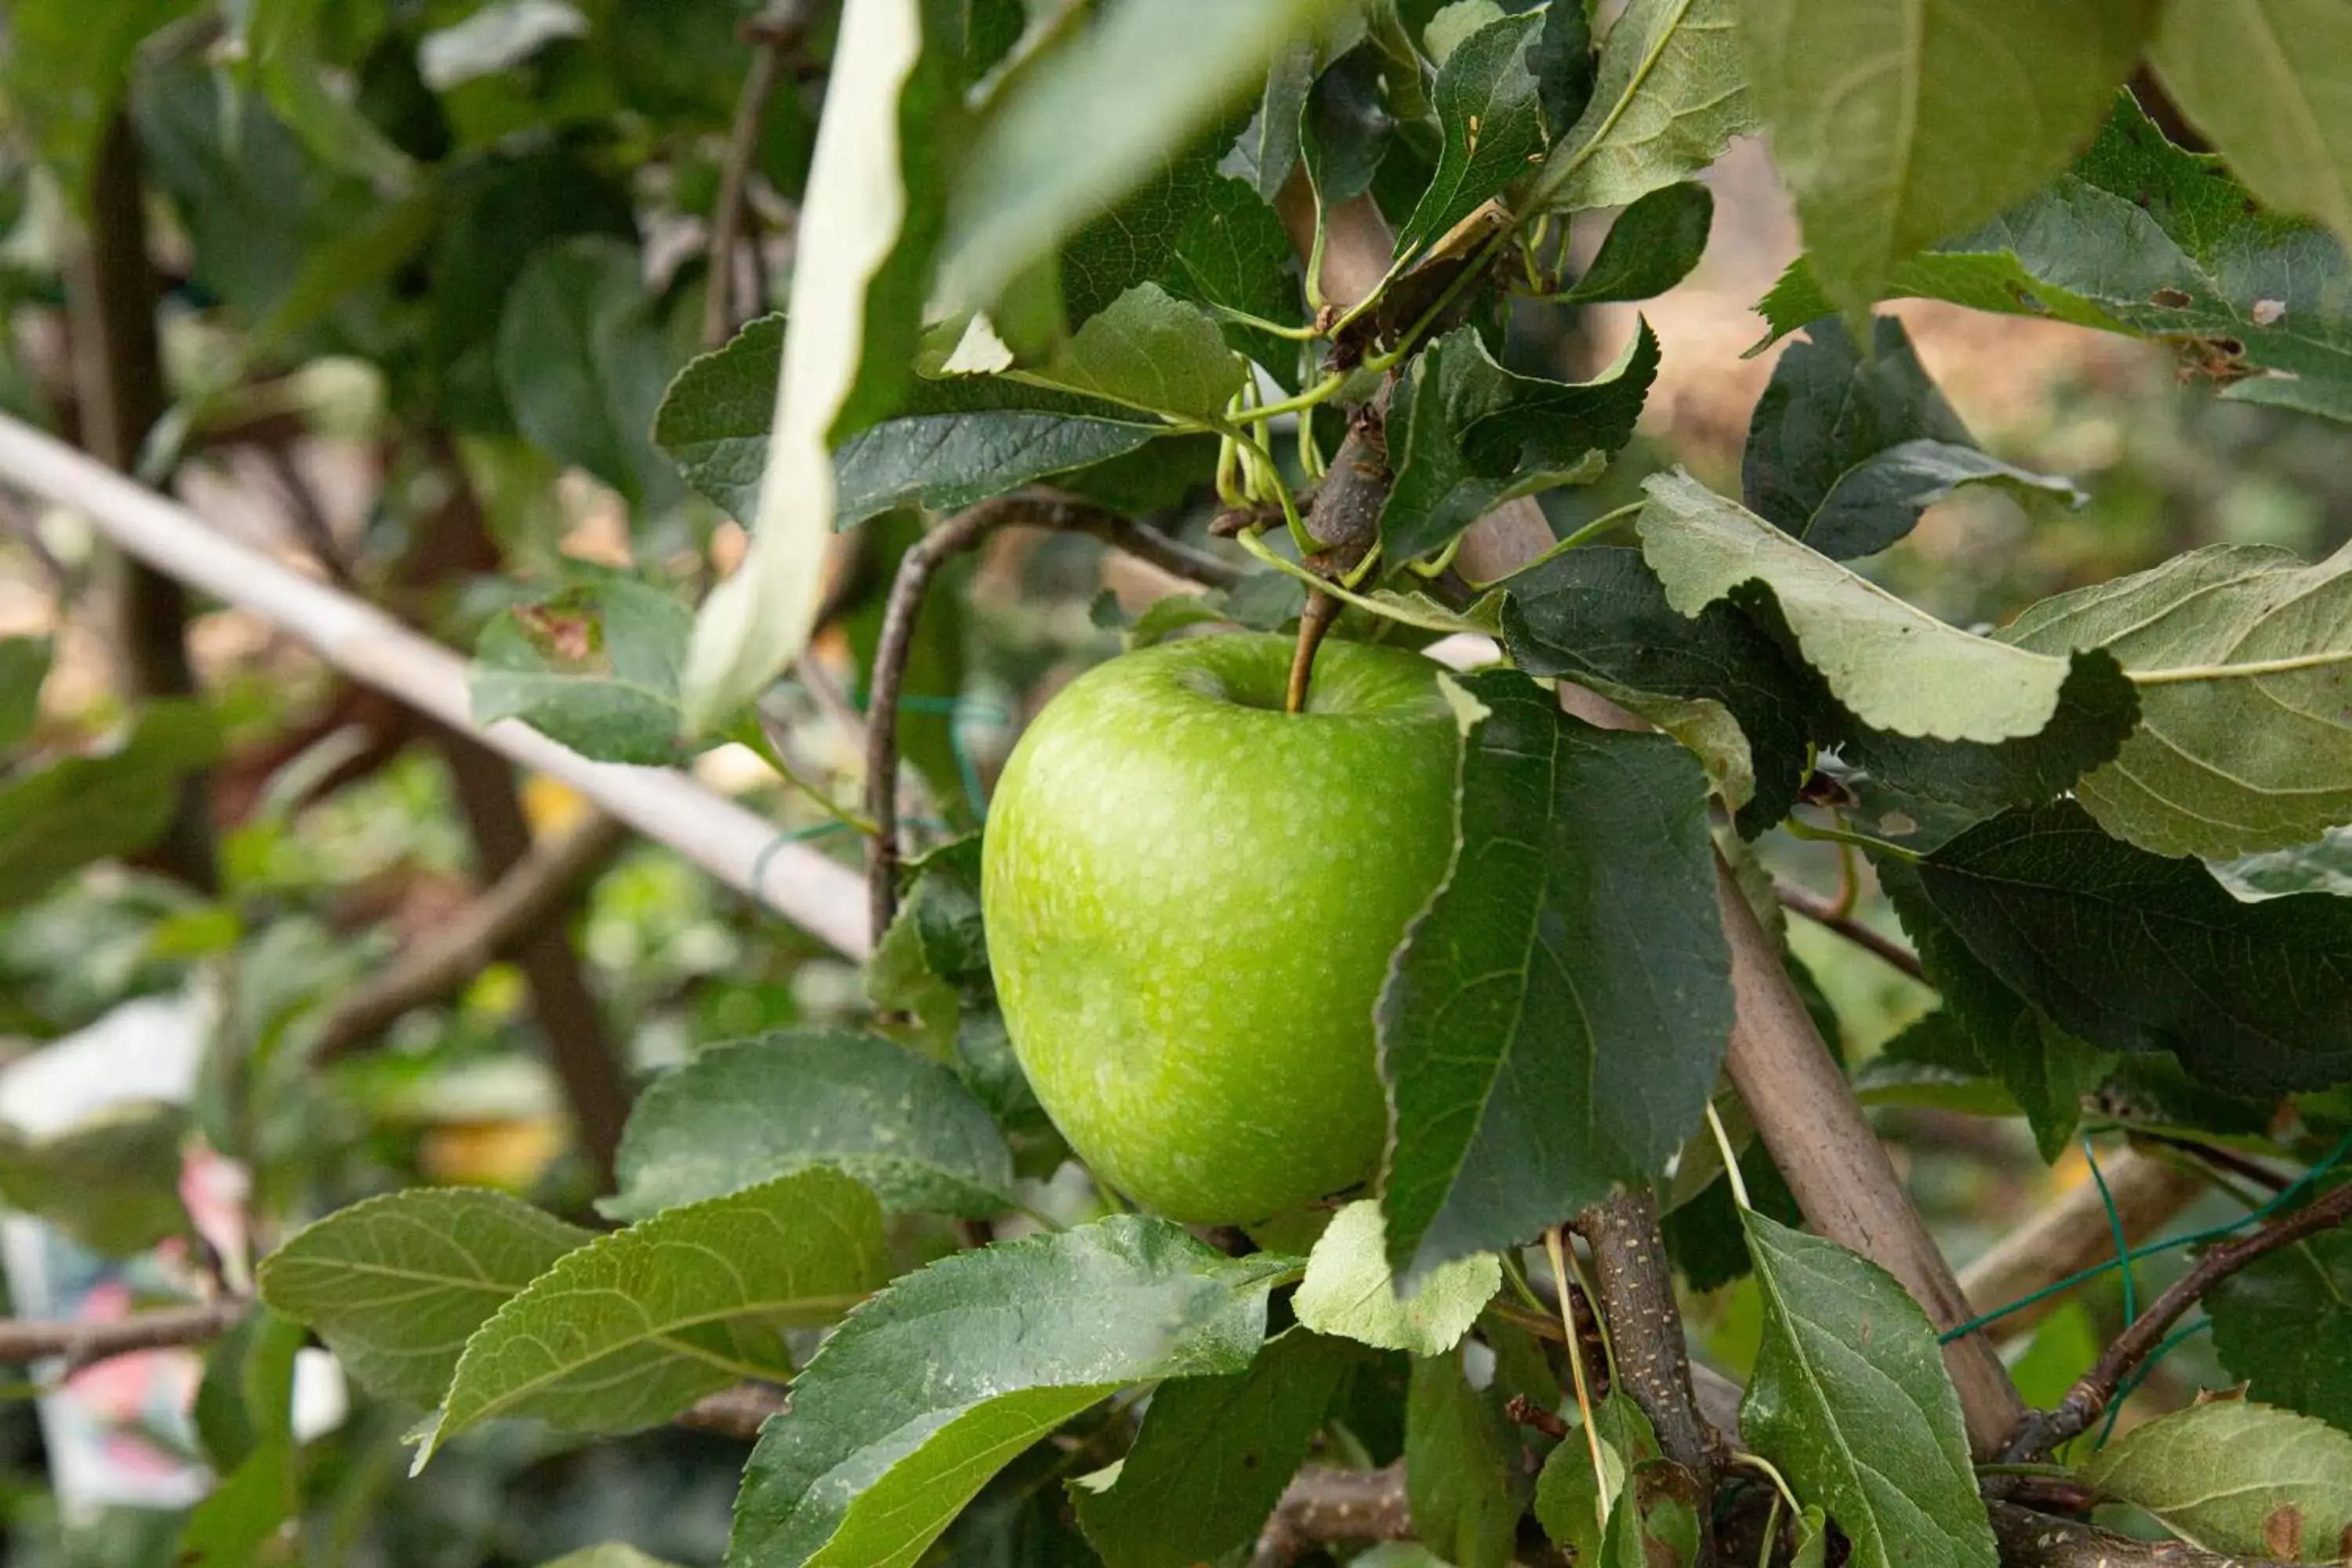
(1191, 897)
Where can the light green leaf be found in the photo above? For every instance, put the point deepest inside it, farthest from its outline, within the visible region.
(594, 667)
(280, 43)
(230, 1527)
(1350, 1293)
(1215, 1456)
(611, 1554)
(63, 816)
(938, 1382)
(1151, 350)
(396, 1285)
(1457, 1467)
(743, 1113)
(2270, 84)
(1894, 667)
(2234, 1475)
(24, 666)
(856, 296)
(1899, 125)
(1851, 1401)
(1093, 120)
(64, 69)
(2243, 655)
(1489, 123)
(1671, 94)
(636, 1326)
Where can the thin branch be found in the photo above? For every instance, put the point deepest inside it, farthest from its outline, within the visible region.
(735, 845)
(2031, 1539)
(1323, 1505)
(533, 891)
(736, 1412)
(2227, 1160)
(921, 562)
(309, 517)
(778, 31)
(2042, 1431)
(2072, 1234)
(81, 1342)
(1800, 899)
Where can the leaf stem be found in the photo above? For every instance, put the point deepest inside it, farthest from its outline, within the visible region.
(1730, 1159)
(1770, 1472)
(1555, 1250)
(1322, 392)
(1805, 830)
(1255, 544)
(2182, 674)
(1306, 335)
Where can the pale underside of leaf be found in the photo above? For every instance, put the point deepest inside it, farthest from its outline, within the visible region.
(2270, 82)
(1671, 95)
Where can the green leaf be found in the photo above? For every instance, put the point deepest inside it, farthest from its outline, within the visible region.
(112, 1182)
(1234, 253)
(1564, 64)
(1651, 246)
(746, 1112)
(594, 668)
(582, 358)
(1844, 452)
(1670, 96)
(279, 43)
(1598, 616)
(59, 817)
(1893, 667)
(1555, 1020)
(242, 1515)
(951, 442)
(1151, 350)
(24, 666)
(2323, 865)
(2132, 951)
(1349, 1291)
(1135, 241)
(1268, 149)
(1215, 1456)
(2234, 1475)
(1489, 124)
(396, 1285)
(631, 1329)
(2143, 238)
(2243, 655)
(1345, 126)
(1897, 126)
(2046, 1070)
(65, 71)
(2281, 1323)
(2266, 81)
(865, 231)
(1094, 119)
(1850, 1400)
(1465, 434)
(1568, 1492)
(247, 1397)
(943, 1378)
(1457, 1467)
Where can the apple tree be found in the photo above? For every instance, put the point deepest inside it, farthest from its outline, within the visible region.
(1294, 1115)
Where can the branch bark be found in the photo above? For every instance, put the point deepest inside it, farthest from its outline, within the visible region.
(1645, 1330)
(1798, 898)
(776, 33)
(2030, 1539)
(739, 847)
(118, 387)
(915, 569)
(82, 1341)
(2072, 1234)
(2086, 1401)
(1324, 1505)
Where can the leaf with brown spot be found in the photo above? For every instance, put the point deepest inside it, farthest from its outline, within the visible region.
(2234, 1475)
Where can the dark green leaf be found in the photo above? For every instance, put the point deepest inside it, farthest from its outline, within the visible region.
(2132, 951)
(631, 1329)
(1597, 617)
(65, 71)
(1564, 65)
(1214, 1455)
(1136, 241)
(280, 46)
(231, 1526)
(1344, 129)
(741, 1114)
(1705, 1236)
(62, 816)
(1897, 126)
(1932, 1062)
(1845, 452)
(2045, 1069)
(1850, 1400)
(940, 1380)
(1555, 1021)
(2235, 1477)
(1233, 252)
(2282, 1324)
(2243, 659)
(24, 666)
(584, 360)
(2143, 238)
(1465, 434)
(1669, 95)
(1651, 246)
(247, 1397)
(950, 442)
(595, 668)
(1491, 127)
(396, 1285)
(1457, 1467)
(1268, 149)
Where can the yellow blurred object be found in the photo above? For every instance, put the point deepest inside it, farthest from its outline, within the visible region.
(551, 807)
(511, 1154)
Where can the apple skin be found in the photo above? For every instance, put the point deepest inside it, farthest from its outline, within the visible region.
(1191, 897)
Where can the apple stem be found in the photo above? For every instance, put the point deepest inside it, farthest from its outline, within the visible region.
(1322, 610)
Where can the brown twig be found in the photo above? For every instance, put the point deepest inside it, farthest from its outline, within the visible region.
(922, 562)
(736, 1412)
(2030, 1539)
(534, 890)
(80, 1342)
(2042, 1431)
(1323, 1505)
(1314, 625)
(1824, 912)
(1345, 524)
(1645, 1331)
(775, 32)
(2228, 1161)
